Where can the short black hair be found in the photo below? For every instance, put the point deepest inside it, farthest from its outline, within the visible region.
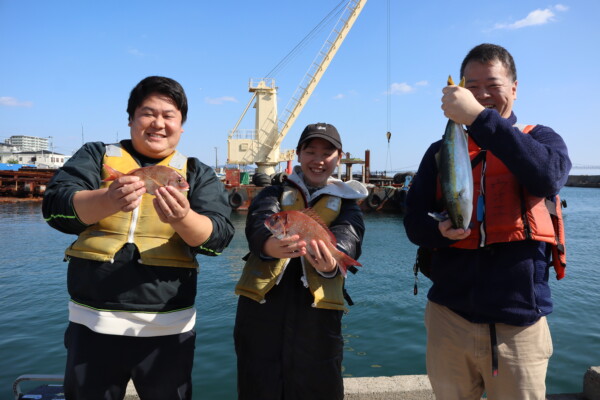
(157, 84)
(486, 53)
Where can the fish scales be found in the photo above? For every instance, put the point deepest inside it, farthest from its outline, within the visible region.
(154, 177)
(307, 225)
(456, 176)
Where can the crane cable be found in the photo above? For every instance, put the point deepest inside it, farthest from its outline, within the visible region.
(389, 91)
(334, 13)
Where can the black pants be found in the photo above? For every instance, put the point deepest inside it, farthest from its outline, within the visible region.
(287, 349)
(100, 366)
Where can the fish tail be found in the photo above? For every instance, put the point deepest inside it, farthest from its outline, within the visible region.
(451, 81)
(112, 173)
(345, 261)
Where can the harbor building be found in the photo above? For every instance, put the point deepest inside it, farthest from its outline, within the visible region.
(28, 143)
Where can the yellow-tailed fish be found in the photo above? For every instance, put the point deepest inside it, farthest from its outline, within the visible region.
(456, 178)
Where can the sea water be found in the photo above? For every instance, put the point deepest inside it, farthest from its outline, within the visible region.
(383, 332)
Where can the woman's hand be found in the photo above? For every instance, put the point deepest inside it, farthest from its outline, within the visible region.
(320, 257)
(289, 247)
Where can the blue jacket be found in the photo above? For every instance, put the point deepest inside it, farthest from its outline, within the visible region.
(505, 282)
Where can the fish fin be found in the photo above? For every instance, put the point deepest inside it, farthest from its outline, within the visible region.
(112, 173)
(285, 224)
(147, 177)
(345, 262)
(313, 214)
(462, 82)
(440, 217)
(156, 181)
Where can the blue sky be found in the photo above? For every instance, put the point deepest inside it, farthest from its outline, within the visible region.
(67, 68)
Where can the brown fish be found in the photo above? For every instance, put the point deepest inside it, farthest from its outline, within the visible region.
(308, 226)
(154, 177)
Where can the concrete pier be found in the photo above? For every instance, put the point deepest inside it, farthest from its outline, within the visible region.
(592, 181)
(417, 387)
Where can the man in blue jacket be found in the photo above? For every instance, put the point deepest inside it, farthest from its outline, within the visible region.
(486, 314)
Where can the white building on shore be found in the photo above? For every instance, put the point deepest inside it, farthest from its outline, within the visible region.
(31, 150)
(41, 158)
(29, 143)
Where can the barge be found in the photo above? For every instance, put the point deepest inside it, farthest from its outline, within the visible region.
(386, 194)
(25, 182)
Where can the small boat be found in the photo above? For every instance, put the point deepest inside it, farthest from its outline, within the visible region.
(47, 391)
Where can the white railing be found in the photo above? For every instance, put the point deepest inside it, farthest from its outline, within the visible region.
(243, 134)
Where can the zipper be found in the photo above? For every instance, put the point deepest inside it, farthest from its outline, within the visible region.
(481, 204)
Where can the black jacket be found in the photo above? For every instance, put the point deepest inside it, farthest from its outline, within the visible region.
(126, 284)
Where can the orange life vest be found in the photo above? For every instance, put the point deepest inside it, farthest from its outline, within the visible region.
(507, 212)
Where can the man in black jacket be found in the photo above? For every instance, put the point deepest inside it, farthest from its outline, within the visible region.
(132, 270)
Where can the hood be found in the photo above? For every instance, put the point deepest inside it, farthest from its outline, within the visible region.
(346, 190)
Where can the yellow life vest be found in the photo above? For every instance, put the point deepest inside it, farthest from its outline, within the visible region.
(259, 276)
(157, 242)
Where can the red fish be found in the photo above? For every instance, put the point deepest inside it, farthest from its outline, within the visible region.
(154, 177)
(308, 225)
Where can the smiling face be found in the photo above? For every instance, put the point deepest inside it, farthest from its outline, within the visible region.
(492, 85)
(318, 159)
(156, 126)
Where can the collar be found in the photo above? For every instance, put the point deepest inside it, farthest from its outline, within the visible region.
(335, 187)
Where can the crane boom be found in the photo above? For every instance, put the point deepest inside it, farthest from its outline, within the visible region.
(261, 146)
(319, 66)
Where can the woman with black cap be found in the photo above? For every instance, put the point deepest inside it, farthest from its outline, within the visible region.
(288, 326)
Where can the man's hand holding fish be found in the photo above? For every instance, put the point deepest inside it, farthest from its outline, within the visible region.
(171, 205)
(124, 194)
(460, 105)
(447, 230)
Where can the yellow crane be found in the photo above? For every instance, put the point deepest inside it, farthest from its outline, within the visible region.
(260, 146)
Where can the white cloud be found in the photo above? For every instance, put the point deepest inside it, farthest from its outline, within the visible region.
(220, 100)
(421, 83)
(400, 88)
(560, 7)
(12, 102)
(339, 96)
(535, 17)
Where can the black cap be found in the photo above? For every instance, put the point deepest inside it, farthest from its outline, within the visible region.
(321, 130)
